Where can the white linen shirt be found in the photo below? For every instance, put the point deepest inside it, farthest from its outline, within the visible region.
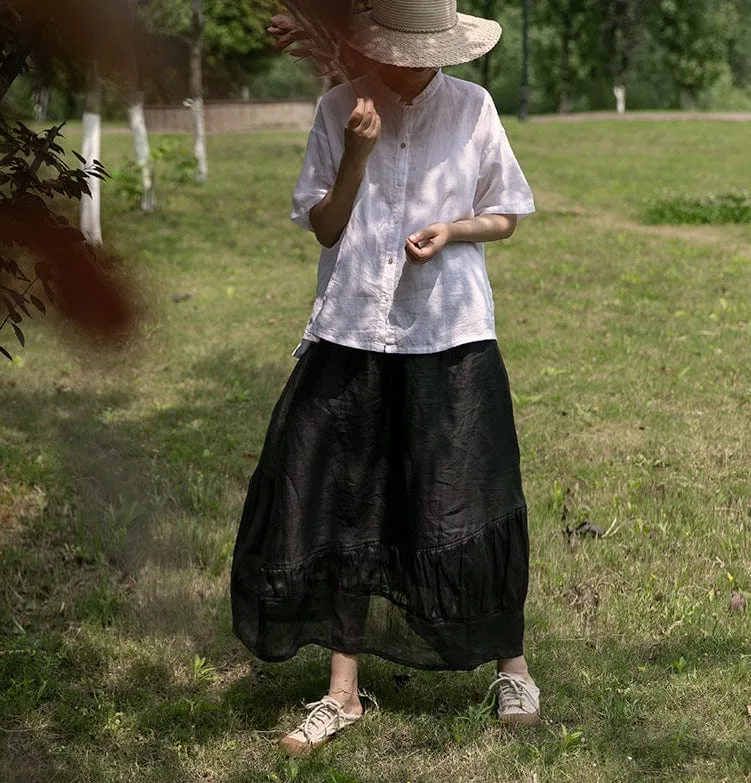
(442, 158)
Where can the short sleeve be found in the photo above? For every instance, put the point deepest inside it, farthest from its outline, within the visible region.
(317, 175)
(502, 188)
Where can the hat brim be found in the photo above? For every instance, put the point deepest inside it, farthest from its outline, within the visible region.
(470, 38)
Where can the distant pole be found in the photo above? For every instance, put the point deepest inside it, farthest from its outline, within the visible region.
(524, 93)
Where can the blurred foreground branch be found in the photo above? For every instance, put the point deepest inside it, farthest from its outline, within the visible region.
(43, 259)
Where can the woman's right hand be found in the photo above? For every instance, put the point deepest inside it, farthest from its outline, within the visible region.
(362, 131)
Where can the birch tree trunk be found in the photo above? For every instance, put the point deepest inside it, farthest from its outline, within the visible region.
(91, 225)
(138, 128)
(41, 103)
(143, 152)
(196, 88)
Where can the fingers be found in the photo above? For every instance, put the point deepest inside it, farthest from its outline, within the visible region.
(424, 245)
(286, 30)
(363, 129)
(370, 121)
(417, 254)
(364, 118)
(420, 237)
(281, 23)
(377, 128)
(357, 114)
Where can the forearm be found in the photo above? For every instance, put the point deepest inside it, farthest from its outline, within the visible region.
(330, 216)
(483, 228)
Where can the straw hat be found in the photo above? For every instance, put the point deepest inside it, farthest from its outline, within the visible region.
(421, 34)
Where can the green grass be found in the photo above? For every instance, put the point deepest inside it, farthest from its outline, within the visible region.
(715, 209)
(122, 479)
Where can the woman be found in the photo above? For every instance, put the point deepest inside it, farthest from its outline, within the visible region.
(386, 514)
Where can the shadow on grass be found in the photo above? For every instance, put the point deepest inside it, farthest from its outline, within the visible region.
(133, 491)
(141, 506)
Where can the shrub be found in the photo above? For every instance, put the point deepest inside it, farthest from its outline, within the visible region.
(714, 209)
(172, 166)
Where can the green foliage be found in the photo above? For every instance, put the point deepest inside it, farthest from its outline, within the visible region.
(285, 78)
(565, 37)
(236, 43)
(202, 671)
(173, 167)
(470, 723)
(30, 226)
(680, 665)
(693, 37)
(666, 54)
(570, 741)
(734, 207)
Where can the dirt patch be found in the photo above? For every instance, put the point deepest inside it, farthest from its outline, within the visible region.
(609, 438)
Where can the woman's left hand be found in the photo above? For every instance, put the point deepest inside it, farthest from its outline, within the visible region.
(425, 245)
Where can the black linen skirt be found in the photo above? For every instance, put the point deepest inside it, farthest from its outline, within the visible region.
(386, 514)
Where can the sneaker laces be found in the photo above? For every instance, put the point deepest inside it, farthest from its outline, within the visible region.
(510, 691)
(320, 713)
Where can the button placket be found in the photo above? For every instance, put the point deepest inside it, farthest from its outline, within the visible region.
(401, 165)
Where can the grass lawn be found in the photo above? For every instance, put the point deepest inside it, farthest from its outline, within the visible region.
(122, 479)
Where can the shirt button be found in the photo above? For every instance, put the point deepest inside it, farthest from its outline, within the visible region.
(403, 145)
(391, 260)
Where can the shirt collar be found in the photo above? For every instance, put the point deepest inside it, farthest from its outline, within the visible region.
(430, 90)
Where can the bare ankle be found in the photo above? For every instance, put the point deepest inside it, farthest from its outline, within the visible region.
(517, 666)
(343, 682)
(348, 700)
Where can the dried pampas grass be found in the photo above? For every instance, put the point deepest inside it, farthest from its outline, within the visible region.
(319, 38)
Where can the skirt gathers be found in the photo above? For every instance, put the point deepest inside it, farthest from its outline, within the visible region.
(386, 514)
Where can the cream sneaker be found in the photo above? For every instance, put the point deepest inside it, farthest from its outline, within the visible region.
(518, 699)
(325, 718)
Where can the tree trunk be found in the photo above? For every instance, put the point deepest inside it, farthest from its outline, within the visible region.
(143, 152)
(41, 103)
(620, 98)
(91, 225)
(687, 99)
(196, 88)
(138, 128)
(565, 102)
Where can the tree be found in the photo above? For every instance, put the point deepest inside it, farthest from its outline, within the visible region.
(524, 89)
(196, 89)
(237, 41)
(566, 40)
(622, 26)
(694, 42)
(41, 255)
(137, 121)
(489, 11)
(737, 18)
(91, 223)
(236, 45)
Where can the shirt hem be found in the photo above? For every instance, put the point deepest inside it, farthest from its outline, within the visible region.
(517, 209)
(300, 214)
